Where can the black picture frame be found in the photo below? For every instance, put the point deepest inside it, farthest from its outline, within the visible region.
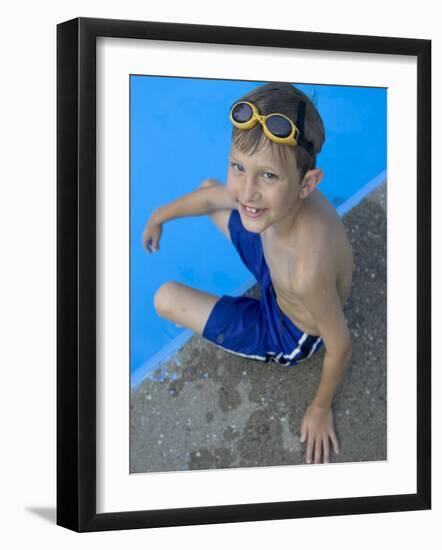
(76, 274)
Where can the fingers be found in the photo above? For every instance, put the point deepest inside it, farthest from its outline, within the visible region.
(317, 430)
(309, 453)
(147, 241)
(149, 246)
(154, 245)
(326, 451)
(152, 235)
(314, 448)
(334, 440)
(303, 432)
(151, 243)
(318, 448)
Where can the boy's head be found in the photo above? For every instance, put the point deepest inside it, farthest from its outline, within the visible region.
(268, 178)
(287, 100)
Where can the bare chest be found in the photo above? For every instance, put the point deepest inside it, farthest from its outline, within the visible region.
(280, 262)
(283, 261)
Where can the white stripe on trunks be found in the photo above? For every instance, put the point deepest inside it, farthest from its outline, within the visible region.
(315, 345)
(259, 357)
(298, 348)
(272, 353)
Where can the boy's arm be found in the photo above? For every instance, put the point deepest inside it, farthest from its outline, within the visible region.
(210, 197)
(205, 200)
(320, 296)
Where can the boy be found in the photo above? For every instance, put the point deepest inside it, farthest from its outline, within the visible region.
(289, 236)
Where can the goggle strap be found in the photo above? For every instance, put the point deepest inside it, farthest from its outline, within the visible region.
(300, 118)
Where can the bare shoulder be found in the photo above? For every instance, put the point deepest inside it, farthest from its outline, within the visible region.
(324, 258)
(313, 269)
(319, 240)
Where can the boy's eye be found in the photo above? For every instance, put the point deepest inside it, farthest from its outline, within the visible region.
(237, 167)
(270, 176)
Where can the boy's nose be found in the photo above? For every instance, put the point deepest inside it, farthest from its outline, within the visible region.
(250, 191)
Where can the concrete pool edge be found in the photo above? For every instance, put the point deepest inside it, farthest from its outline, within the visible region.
(165, 354)
(360, 195)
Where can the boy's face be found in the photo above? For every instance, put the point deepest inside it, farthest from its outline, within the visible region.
(266, 188)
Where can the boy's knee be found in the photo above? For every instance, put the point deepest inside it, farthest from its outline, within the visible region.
(165, 298)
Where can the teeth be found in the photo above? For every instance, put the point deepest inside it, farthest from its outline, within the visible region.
(251, 210)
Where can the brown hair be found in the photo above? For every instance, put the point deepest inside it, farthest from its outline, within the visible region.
(280, 97)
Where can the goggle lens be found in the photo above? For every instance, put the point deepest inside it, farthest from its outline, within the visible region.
(279, 126)
(242, 113)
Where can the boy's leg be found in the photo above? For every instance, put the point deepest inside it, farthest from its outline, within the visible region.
(221, 217)
(184, 305)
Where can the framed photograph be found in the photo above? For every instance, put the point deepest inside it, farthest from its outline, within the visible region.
(244, 318)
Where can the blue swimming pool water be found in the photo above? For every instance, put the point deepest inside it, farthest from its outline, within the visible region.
(180, 135)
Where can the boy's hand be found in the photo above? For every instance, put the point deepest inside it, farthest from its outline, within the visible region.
(317, 429)
(152, 235)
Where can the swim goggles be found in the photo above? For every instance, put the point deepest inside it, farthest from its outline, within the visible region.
(277, 127)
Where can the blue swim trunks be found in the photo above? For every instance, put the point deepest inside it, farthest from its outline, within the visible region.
(257, 329)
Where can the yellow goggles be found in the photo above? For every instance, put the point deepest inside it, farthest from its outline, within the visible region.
(277, 127)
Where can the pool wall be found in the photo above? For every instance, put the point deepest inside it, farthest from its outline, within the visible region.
(165, 353)
(180, 134)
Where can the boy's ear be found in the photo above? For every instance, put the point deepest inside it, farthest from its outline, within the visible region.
(309, 182)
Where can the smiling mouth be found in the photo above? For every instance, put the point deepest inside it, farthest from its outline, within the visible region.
(252, 212)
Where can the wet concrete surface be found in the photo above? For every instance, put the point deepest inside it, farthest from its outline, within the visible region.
(207, 408)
